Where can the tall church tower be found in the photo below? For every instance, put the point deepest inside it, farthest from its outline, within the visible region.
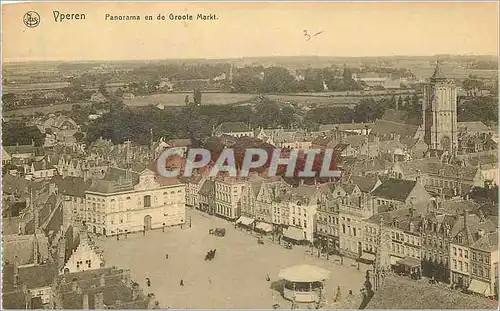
(440, 113)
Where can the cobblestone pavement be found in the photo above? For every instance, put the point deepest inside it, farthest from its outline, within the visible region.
(236, 278)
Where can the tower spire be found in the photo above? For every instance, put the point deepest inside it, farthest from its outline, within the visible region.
(438, 74)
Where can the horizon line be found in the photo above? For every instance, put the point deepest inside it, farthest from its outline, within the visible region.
(5, 61)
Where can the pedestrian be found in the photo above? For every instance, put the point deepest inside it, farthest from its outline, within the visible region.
(268, 278)
(166, 256)
(338, 296)
(182, 283)
(148, 282)
(209, 281)
(350, 293)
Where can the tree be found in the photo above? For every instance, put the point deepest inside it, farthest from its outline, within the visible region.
(79, 136)
(197, 97)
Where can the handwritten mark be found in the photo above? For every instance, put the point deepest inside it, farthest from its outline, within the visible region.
(308, 36)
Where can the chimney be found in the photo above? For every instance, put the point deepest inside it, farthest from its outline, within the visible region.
(411, 211)
(99, 301)
(85, 305)
(102, 280)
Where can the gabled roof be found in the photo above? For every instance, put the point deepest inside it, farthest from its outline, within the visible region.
(19, 149)
(474, 126)
(435, 167)
(72, 186)
(395, 189)
(487, 243)
(38, 276)
(366, 183)
(345, 126)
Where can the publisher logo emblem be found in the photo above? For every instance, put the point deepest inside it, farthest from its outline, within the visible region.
(31, 19)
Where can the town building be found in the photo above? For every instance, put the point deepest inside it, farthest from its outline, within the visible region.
(124, 201)
(206, 196)
(440, 178)
(236, 129)
(228, 192)
(106, 288)
(394, 193)
(484, 264)
(356, 128)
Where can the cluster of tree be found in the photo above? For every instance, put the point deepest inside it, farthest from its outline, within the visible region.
(14, 133)
(483, 109)
(484, 65)
(485, 195)
(12, 101)
(472, 85)
(280, 80)
(192, 121)
(368, 110)
(435, 269)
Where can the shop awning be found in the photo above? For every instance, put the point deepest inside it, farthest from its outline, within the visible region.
(409, 262)
(368, 257)
(264, 226)
(294, 233)
(479, 287)
(394, 260)
(247, 221)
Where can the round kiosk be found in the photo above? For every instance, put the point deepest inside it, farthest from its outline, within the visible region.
(303, 283)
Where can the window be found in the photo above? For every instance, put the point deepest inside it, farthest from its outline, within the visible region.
(473, 256)
(466, 254)
(474, 270)
(486, 259)
(147, 201)
(460, 252)
(454, 263)
(343, 228)
(466, 267)
(305, 224)
(460, 266)
(354, 231)
(454, 251)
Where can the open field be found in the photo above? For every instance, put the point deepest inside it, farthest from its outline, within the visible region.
(454, 72)
(235, 279)
(177, 99)
(21, 88)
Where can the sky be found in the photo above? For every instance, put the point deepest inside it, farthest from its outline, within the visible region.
(250, 30)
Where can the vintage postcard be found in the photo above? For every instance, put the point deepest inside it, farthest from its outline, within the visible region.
(327, 155)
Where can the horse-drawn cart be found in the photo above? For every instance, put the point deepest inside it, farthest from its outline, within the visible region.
(218, 232)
